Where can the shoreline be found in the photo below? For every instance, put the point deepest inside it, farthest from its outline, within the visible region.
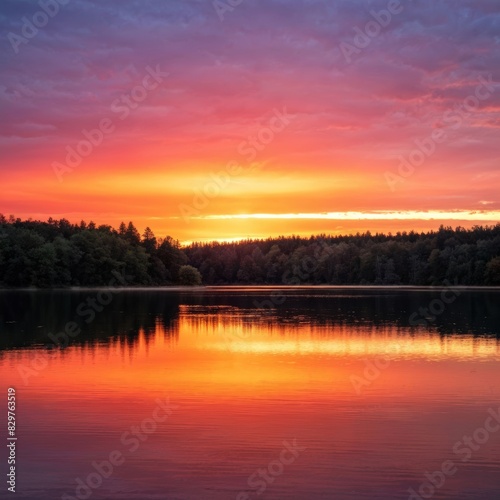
(180, 288)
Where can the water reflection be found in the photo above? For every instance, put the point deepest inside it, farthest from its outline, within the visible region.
(27, 318)
(243, 381)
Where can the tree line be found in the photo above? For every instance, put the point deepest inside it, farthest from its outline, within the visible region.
(58, 253)
(463, 256)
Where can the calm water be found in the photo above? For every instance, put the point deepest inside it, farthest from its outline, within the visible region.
(368, 402)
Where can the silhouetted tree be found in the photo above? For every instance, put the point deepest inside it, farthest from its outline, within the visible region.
(493, 271)
(132, 235)
(189, 276)
(149, 241)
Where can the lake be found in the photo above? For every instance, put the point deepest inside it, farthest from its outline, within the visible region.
(245, 393)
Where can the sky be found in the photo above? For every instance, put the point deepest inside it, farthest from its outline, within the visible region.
(245, 119)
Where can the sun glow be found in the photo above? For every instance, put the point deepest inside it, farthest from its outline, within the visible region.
(476, 215)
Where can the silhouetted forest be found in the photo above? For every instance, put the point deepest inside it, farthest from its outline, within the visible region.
(58, 253)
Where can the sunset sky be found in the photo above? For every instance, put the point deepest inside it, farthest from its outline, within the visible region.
(266, 118)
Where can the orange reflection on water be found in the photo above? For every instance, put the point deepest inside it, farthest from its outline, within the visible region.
(228, 353)
(242, 383)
